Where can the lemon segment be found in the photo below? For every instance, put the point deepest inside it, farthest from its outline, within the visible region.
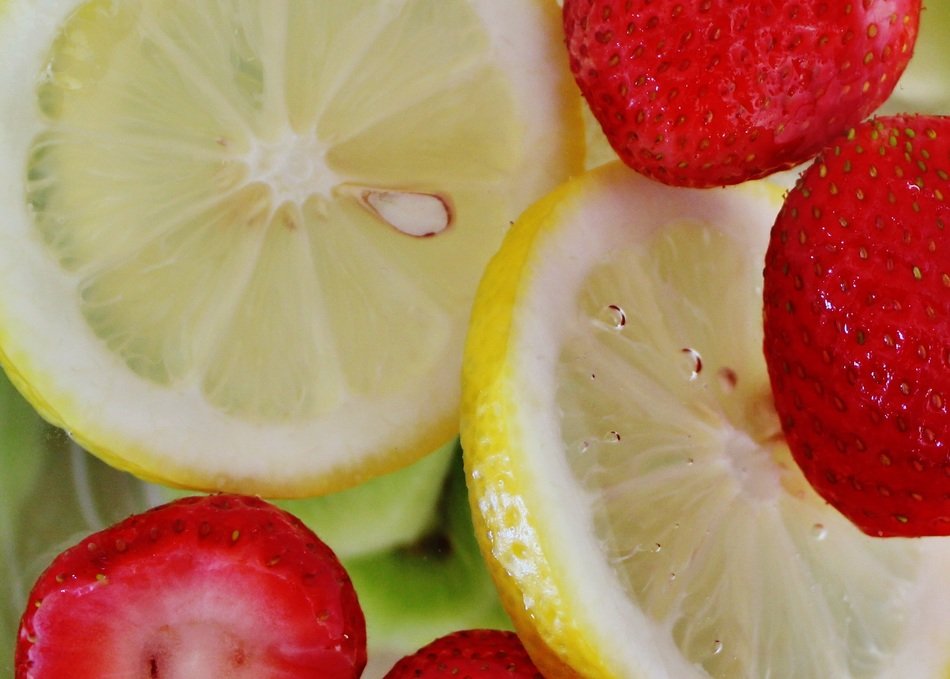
(241, 239)
(633, 495)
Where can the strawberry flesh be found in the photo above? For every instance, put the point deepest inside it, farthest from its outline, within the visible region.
(857, 325)
(469, 653)
(216, 586)
(710, 92)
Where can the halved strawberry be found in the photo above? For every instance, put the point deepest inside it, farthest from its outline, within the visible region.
(469, 653)
(710, 92)
(857, 324)
(216, 586)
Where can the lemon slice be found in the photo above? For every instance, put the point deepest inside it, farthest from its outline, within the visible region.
(240, 239)
(632, 492)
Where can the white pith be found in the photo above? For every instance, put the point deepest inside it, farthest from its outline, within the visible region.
(294, 167)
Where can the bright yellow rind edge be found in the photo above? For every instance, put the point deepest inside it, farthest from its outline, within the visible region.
(513, 551)
(145, 465)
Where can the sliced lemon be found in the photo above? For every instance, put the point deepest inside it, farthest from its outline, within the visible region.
(239, 240)
(631, 489)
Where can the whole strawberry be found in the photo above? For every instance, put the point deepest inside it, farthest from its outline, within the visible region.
(479, 653)
(857, 324)
(217, 586)
(712, 92)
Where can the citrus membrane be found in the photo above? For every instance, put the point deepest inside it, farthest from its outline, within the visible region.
(631, 488)
(240, 239)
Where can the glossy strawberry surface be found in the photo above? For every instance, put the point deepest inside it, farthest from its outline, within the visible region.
(857, 324)
(479, 653)
(712, 92)
(217, 586)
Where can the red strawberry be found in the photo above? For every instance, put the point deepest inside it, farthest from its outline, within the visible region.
(217, 586)
(857, 324)
(709, 92)
(470, 653)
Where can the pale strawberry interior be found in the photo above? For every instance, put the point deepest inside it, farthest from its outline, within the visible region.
(183, 622)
